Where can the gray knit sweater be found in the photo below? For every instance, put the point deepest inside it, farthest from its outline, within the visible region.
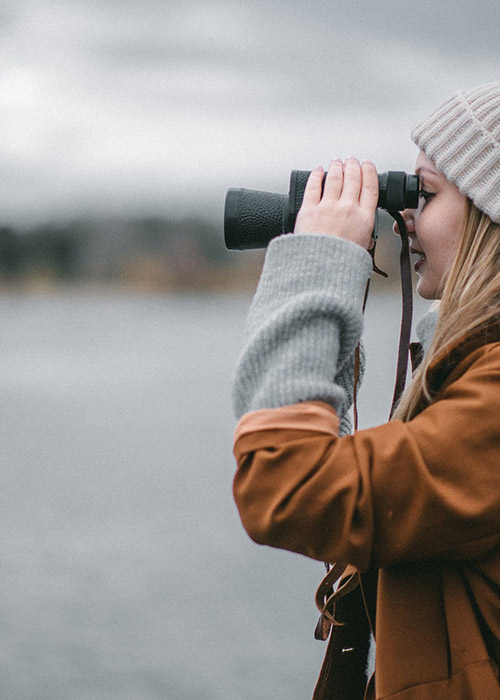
(303, 326)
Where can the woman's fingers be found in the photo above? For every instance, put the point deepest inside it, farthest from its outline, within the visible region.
(345, 205)
(313, 190)
(369, 188)
(352, 180)
(334, 179)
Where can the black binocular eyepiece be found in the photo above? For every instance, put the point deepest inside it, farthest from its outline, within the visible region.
(252, 218)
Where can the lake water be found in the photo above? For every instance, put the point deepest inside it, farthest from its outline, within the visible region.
(124, 571)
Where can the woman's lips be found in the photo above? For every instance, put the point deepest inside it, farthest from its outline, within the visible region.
(419, 263)
(420, 260)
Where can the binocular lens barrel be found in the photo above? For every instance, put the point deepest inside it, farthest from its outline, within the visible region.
(252, 218)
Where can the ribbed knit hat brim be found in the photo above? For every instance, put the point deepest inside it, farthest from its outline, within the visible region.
(462, 137)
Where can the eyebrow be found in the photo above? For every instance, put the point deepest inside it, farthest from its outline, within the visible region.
(425, 169)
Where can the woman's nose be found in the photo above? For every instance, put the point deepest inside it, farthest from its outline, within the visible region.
(408, 217)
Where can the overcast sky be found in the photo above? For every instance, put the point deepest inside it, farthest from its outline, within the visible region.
(151, 106)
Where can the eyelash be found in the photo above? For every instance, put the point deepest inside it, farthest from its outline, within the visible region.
(427, 196)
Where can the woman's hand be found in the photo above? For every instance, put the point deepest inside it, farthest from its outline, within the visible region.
(347, 206)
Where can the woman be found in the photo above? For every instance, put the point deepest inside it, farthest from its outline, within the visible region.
(413, 505)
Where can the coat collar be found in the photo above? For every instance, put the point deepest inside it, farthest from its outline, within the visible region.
(442, 370)
(448, 360)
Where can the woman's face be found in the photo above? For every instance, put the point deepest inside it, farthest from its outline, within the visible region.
(434, 228)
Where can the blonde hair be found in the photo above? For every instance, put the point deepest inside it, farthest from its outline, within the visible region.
(470, 300)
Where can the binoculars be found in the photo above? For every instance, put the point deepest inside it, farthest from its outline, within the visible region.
(252, 217)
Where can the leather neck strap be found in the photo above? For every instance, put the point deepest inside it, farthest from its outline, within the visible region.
(406, 311)
(406, 317)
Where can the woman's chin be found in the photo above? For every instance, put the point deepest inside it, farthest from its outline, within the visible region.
(426, 290)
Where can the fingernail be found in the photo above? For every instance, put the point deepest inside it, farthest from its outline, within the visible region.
(368, 162)
(319, 168)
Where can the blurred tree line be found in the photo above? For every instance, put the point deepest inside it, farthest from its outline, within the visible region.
(151, 253)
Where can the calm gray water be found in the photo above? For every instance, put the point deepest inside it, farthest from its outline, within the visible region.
(124, 571)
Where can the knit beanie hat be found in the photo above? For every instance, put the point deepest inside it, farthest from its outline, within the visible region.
(462, 137)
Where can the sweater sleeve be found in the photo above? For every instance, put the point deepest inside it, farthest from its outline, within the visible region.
(304, 324)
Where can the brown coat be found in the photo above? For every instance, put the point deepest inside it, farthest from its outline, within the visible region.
(417, 501)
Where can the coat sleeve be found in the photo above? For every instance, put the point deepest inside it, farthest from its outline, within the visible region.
(400, 492)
